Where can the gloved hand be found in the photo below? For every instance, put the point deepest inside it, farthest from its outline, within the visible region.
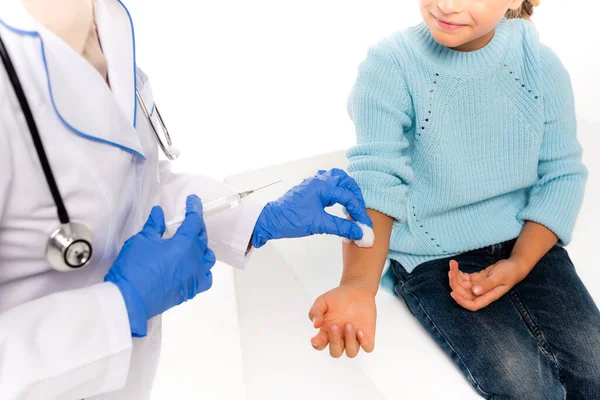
(155, 274)
(300, 212)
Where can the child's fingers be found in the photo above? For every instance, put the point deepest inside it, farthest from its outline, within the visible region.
(454, 270)
(454, 265)
(480, 301)
(486, 285)
(319, 342)
(352, 346)
(456, 285)
(318, 321)
(317, 312)
(336, 344)
(367, 343)
(479, 276)
(465, 279)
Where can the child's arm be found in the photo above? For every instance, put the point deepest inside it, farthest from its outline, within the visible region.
(554, 201)
(556, 198)
(363, 266)
(346, 315)
(533, 243)
(382, 111)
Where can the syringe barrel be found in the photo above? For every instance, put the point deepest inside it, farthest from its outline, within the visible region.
(211, 208)
(220, 205)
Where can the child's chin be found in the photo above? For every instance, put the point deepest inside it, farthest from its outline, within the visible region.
(450, 40)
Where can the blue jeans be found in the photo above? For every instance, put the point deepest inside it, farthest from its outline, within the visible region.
(541, 341)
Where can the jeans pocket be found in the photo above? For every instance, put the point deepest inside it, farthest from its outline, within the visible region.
(561, 256)
(406, 279)
(399, 272)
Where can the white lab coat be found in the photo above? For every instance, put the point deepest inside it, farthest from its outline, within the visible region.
(66, 335)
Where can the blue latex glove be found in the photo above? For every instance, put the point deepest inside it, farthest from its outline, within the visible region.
(155, 274)
(301, 211)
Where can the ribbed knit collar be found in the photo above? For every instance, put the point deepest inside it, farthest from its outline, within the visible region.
(463, 62)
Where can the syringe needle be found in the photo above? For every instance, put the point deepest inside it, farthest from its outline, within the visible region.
(249, 192)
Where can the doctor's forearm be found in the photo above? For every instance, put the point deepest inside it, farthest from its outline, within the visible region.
(363, 266)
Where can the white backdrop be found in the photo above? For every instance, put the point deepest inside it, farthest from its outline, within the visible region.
(245, 84)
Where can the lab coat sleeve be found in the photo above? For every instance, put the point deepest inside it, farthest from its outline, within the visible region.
(229, 233)
(67, 345)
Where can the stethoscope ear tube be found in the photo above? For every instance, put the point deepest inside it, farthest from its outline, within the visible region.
(63, 215)
(170, 151)
(69, 247)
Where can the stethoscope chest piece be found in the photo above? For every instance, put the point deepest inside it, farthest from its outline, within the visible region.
(69, 247)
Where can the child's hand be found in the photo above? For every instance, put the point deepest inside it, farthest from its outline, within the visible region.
(346, 317)
(480, 289)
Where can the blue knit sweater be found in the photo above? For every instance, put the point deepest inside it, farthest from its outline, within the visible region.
(462, 148)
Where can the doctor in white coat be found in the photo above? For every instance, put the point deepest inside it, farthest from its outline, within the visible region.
(95, 332)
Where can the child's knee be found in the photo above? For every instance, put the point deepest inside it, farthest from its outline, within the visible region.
(512, 375)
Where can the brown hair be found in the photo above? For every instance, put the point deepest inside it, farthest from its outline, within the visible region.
(525, 11)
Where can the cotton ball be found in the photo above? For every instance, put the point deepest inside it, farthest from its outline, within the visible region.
(368, 236)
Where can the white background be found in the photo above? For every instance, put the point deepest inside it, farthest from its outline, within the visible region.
(245, 84)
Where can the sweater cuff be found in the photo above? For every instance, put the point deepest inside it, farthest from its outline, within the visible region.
(556, 205)
(386, 204)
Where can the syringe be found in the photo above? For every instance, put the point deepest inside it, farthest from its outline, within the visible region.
(220, 205)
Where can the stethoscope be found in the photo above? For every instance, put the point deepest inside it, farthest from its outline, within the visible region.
(69, 247)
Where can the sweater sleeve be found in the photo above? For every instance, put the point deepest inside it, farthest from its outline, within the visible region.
(380, 107)
(556, 198)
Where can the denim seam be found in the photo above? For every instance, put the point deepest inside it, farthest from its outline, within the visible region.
(537, 334)
(452, 349)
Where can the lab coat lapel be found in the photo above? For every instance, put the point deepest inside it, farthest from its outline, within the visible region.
(115, 29)
(79, 95)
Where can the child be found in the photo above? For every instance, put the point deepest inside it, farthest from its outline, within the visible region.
(469, 163)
